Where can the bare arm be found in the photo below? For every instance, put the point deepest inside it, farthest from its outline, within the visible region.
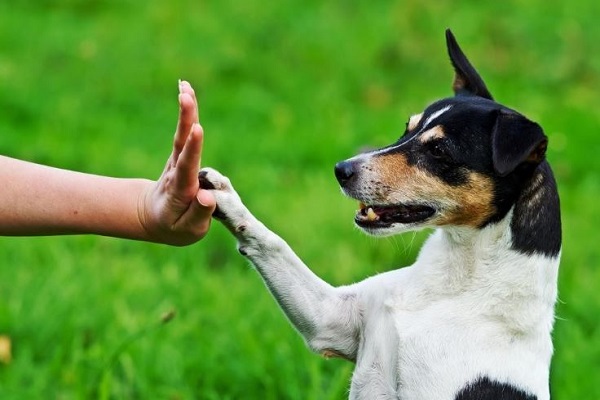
(41, 200)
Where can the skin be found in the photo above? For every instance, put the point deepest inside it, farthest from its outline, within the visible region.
(42, 200)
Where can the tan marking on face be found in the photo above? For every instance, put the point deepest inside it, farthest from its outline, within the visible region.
(474, 200)
(414, 121)
(399, 182)
(437, 132)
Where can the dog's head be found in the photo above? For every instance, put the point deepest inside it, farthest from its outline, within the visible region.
(461, 162)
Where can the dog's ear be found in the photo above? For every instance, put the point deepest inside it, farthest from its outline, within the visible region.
(466, 80)
(516, 140)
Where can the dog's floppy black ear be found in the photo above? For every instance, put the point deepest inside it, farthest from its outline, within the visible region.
(466, 80)
(516, 140)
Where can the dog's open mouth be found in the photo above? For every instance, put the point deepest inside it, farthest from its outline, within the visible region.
(383, 216)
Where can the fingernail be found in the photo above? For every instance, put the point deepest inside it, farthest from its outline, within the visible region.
(179, 84)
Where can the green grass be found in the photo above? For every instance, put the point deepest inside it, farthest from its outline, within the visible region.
(286, 90)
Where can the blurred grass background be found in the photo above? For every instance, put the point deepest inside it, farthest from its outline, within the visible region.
(286, 89)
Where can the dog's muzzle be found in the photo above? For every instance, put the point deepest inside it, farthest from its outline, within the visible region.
(377, 216)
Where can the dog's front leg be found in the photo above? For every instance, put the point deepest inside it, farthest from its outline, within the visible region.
(327, 317)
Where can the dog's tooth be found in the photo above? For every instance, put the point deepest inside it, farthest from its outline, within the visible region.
(371, 215)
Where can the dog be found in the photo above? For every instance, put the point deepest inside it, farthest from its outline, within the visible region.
(472, 317)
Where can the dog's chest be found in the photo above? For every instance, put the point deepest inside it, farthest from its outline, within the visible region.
(407, 348)
(416, 346)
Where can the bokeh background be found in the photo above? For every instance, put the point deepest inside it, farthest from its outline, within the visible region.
(286, 89)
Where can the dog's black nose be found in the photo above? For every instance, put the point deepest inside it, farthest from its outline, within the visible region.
(344, 171)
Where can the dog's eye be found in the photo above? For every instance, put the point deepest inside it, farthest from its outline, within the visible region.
(436, 150)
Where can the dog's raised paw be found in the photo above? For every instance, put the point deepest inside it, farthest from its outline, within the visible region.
(212, 179)
(228, 201)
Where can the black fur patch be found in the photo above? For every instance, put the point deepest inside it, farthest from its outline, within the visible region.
(486, 389)
(536, 225)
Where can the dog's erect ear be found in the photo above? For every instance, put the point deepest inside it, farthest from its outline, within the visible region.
(466, 80)
(516, 140)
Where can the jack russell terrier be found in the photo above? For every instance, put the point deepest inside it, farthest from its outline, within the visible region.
(472, 317)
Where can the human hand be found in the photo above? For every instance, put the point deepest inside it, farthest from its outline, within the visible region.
(175, 210)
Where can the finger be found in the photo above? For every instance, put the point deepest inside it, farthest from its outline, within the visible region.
(185, 87)
(188, 115)
(188, 164)
(184, 123)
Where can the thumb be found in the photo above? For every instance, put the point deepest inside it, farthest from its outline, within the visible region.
(206, 199)
(196, 219)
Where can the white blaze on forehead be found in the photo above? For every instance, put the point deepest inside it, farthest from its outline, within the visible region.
(414, 121)
(435, 115)
(414, 118)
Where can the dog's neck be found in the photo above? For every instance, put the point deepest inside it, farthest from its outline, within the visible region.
(515, 260)
(531, 229)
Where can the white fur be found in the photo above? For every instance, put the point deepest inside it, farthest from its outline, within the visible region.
(434, 115)
(469, 306)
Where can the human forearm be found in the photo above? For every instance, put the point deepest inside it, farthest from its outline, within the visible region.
(41, 200)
